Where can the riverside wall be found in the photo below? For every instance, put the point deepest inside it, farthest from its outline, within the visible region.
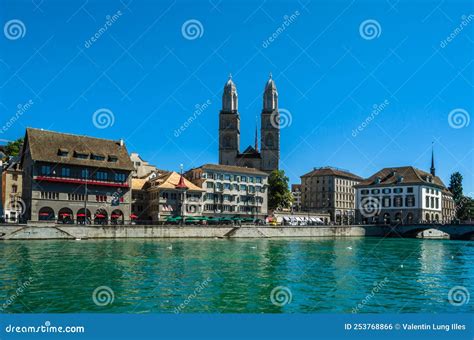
(53, 231)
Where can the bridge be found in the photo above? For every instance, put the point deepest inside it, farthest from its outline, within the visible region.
(453, 231)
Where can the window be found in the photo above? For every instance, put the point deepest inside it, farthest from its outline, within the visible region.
(66, 172)
(386, 191)
(427, 202)
(432, 202)
(398, 190)
(101, 175)
(410, 190)
(119, 177)
(243, 187)
(97, 157)
(364, 192)
(410, 201)
(45, 170)
(227, 186)
(49, 195)
(375, 191)
(113, 159)
(210, 185)
(258, 180)
(227, 177)
(386, 201)
(85, 173)
(14, 189)
(81, 155)
(101, 198)
(15, 177)
(398, 201)
(63, 152)
(243, 178)
(437, 203)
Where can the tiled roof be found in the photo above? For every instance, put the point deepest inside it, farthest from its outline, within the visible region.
(410, 174)
(170, 181)
(45, 146)
(233, 168)
(138, 183)
(330, 171)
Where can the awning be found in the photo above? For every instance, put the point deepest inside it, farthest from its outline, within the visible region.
(133, 216)
(99, 216)
(81, 215)
(314, 219)
(286, 218)
(116, 215)
(45, 214)
(64, 214)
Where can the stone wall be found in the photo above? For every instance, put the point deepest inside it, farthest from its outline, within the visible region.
(44, 231)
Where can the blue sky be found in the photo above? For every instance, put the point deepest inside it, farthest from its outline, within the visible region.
(151, 76)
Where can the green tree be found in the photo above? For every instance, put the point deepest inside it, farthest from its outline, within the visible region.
(455, 186)
(465, 210)
(279, 194)
(13, 148)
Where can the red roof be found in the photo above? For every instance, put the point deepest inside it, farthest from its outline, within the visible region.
(181, 184)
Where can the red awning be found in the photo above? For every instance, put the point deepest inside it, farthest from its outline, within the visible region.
(100, 216)
(116, 216)
(133, 216)
(44, 214)
(81, 215)
(64, 214)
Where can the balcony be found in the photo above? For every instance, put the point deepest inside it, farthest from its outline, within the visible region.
(72, 180)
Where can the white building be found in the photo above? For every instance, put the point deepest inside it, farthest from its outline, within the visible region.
(402, 195)
(232, 191)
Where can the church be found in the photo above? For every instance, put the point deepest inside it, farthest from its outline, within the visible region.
(268, 157)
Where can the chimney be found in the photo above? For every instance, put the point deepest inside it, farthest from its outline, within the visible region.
(121, 141)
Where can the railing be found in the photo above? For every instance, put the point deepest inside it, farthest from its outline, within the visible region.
(74, 180)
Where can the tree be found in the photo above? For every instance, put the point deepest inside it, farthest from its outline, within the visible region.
(13, 148)
(279, 194)
(455, 186)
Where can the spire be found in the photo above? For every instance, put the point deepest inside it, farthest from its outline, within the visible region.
(256, 134)
(230, 97)
(181, 184)
(270, 95)
(432, 169)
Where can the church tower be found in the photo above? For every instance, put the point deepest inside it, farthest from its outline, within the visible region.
(270, 128)
(229, 125)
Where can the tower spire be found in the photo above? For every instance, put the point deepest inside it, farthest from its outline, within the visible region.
(432, 169)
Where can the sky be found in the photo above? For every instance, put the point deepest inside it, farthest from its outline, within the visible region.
(362, 84)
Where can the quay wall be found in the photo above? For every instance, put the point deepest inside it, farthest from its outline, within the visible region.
(54, 231)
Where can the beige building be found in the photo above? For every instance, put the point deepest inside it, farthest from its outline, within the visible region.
(332, 190)
(296, 192)
(13, 206)
(170, 194)
(448, 207)
(232, 191)
(141, 167)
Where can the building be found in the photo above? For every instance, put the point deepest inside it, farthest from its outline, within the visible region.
(268, 158)
(70, 178)
(332, 190)
(232, 191)
(448, 207)
(140, 201)
(296, 192)
(141, 168)
(12, 203)
(171, 194)
(403, 195)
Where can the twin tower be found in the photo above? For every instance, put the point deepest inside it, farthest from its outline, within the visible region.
(267, 159)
